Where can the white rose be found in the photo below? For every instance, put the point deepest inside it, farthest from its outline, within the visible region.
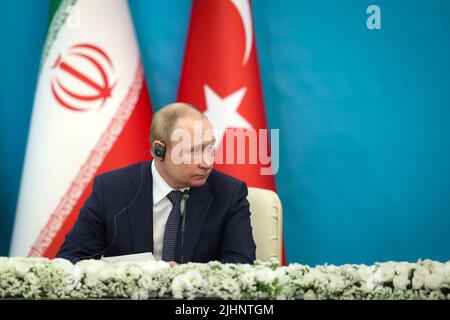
(154, 266)
(364, 273)
(310, 295)
(281, 274)
(91, 280)
(3, 264)
(447, 267)
(31, 278)
(384, 274)
(389, 264)
(21, 268)
(430, 264)
(139, 294)
(436, 295)
(369, 284)
(265, 275)
(318, 275)
(63, 264)
(336, 282)
(193, 278)
(106, 273)
(178, 286)
(401, 282)
(229, 284)
(308, 278)
(418, 280)
(403, 268)
(247, 279)
(433, 281)
(446, 272)
(133, 272)
(420, 270)
(120, 270)
(185, 283)
(91, 266)
(146, 282)
(75, 273)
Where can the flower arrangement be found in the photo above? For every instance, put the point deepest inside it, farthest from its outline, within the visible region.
(40, 278)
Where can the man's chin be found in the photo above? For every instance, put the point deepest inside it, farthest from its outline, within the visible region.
(198, 181)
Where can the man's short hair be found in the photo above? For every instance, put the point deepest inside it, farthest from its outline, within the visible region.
(165, 119)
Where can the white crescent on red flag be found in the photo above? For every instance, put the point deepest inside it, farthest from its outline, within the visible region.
(221, 77)
(91, 114)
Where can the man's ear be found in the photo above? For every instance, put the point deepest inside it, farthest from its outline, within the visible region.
(159, 149)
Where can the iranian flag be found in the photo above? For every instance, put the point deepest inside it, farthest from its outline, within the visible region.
(221, 76)
(91, 114)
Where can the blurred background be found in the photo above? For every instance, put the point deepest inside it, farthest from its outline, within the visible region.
(363, 116)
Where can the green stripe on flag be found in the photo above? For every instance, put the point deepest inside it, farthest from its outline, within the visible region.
(54, 5)
(59, 11)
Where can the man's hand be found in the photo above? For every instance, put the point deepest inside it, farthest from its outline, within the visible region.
(173, 264)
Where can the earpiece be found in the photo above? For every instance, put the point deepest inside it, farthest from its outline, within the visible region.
(160, 152)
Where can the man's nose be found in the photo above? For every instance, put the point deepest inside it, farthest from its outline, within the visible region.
(207, 162)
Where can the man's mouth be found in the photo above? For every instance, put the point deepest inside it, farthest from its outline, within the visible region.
(202, 176)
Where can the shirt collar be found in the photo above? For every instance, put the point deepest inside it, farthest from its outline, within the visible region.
(160, 187)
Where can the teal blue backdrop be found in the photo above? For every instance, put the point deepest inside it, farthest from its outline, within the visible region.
(363, 117)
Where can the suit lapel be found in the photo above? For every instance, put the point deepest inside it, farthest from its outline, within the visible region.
(141, 212)
(200, 199)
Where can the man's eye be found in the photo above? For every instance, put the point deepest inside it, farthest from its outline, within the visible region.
(197, 150)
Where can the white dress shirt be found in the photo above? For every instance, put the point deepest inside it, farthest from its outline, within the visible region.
(161, 210)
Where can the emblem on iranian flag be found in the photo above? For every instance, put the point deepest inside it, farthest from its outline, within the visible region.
(92, 69)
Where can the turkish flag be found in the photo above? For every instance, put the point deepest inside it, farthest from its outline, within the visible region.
(221, 77)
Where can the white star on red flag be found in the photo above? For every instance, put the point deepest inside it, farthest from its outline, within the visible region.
(222, 112)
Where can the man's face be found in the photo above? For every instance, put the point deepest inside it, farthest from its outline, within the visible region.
(190, 154)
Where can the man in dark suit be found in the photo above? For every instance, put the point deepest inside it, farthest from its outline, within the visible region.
(175, 206)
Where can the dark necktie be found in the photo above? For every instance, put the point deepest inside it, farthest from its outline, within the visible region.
(171, 231)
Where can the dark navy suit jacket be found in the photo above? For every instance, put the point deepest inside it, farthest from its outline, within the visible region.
(217, 225)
